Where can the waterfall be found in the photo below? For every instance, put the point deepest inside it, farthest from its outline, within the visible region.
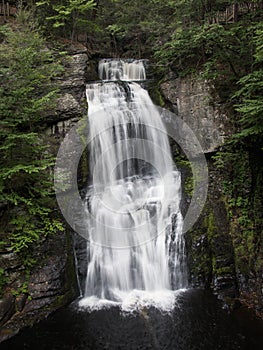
(121, 70)
(136, 250)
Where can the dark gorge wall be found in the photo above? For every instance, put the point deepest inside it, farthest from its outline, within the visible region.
(31, 294)
(225, 245)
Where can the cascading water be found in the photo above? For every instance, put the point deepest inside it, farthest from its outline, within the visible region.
(136, 250)
(121, 70)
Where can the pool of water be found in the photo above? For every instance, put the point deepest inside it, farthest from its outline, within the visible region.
(197, 322)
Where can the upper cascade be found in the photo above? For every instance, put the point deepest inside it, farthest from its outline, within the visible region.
(126, 70)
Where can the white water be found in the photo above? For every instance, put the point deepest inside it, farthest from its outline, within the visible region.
(121, 70)
(136, 254)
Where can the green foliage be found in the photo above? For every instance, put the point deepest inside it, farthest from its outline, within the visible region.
(133, 26)
(71, 15)
(21, 290)
(27, 68)
(188, 183)
(217, 49)
(230, 55)
(3, 280)
(250, 94)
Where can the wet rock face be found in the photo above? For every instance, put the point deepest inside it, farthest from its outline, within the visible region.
(32, 294)
(80, 248)
(71, 102)
(52, 284)
(210, 248)
(209, 243)
(7, 307)
(192, 100)
(68, 106)
(223, 264)
(74, 77)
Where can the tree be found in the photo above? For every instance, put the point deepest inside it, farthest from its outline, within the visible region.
(250, 93)
(27, 68)
(71, 15)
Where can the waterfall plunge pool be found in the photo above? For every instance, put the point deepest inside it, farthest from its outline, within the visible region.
(197, 322)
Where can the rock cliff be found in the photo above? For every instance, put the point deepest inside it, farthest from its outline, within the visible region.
(52, 280)
(223, 252)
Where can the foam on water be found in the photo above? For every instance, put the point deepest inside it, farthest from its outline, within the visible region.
(135, 301)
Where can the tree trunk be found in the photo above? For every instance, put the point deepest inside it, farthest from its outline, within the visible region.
(235, 12)
(4, 11)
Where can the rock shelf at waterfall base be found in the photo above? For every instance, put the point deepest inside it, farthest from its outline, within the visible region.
(135, 248)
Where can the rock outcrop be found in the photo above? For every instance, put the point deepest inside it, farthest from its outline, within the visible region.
(221, 256)
(210, 249)
(32, 294)
(51, 284)
(71, 102)
(195, 101)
